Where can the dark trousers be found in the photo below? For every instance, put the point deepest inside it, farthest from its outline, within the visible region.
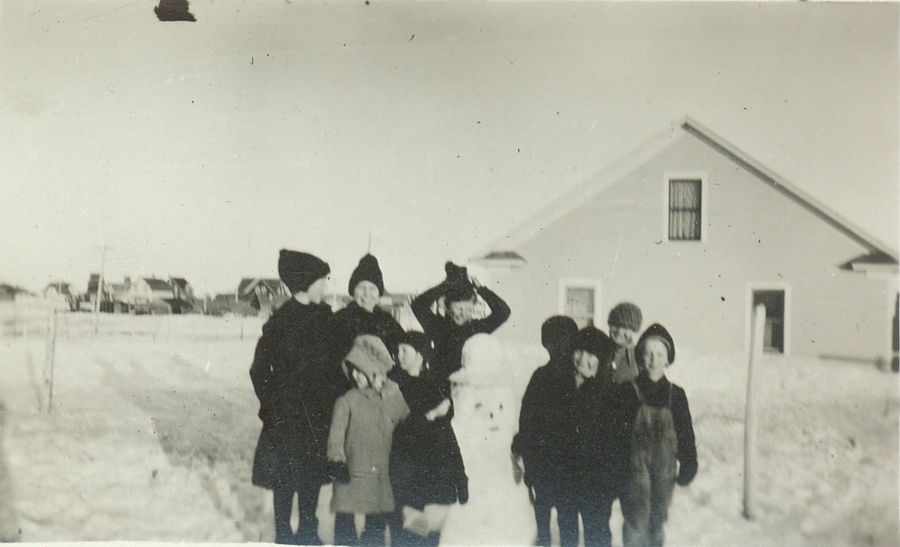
(307, 499)
(595, 506)
(372, 534)
(566, 517)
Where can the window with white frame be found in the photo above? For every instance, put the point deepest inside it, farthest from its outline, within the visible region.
(685, 209)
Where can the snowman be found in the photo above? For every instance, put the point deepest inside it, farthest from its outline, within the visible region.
(498, 511)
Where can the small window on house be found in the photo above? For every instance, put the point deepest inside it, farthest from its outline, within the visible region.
(684, 209)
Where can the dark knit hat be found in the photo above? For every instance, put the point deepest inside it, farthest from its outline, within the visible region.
(556, 328)
(660, 333)
(594, 341)
(367, 270)
(459, 292)
(626, 315)
(300, 270)
(420, 341)
(369, 355)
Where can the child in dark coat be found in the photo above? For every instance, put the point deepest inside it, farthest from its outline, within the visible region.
(296, 389)
(663, 452)
(546, 429)
(426, 464)
(359, 443)
(601, 453)
(362, 315)
(450, 332)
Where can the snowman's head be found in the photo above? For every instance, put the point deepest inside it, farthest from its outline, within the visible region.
(490, 411)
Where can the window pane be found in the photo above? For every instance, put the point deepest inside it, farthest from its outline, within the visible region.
(684, 209)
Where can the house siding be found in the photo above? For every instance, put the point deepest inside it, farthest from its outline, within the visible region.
(754, 234)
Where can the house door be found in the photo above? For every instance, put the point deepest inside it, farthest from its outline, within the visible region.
(580, 305)
(773, 333)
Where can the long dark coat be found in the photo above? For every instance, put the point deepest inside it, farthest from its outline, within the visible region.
(547, 431)
(353, 321)
(426, 464)
(296, 387)
(603, 436)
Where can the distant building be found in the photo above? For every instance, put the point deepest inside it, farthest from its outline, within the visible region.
(697, 233)
(263, 295)
(61, 291)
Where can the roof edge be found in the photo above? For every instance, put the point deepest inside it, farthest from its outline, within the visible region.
(777, 182)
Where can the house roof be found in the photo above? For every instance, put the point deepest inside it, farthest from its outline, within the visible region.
(158, 284)
(61, 288)
(180, 281)
(248, 285)
(567, 203)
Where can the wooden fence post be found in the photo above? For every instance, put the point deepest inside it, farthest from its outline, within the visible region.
(750, 421)
(49, 363)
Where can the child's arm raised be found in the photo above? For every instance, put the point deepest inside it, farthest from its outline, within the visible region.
(421, 306)
(500, 312)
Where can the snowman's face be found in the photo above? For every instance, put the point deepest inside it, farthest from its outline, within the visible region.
(486, 409)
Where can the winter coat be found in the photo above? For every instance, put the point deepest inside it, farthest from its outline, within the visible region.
(603, 443)
(659, 394)
(296, 388)
(449, 337)
(361, 434)
(426, 464)
(354, 320)
(547, 430)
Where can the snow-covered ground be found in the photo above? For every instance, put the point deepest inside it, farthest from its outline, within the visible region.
(153, 427)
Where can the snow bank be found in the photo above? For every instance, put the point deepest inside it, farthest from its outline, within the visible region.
(154, 425)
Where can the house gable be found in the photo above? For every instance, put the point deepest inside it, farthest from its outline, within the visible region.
(565, 205)
(611, 235)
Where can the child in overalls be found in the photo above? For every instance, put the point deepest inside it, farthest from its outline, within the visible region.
(661, 435)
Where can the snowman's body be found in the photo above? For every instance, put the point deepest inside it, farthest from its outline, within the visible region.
(499, 511)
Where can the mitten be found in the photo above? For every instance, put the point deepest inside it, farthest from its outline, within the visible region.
(687, 472)
(338, 472)
(462, 491)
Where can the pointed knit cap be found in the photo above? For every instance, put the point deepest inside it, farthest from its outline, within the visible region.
(300, 270)
(367, 270)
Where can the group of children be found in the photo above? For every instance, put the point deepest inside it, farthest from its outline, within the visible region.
(597, 423)
(601, 422)
(335, 408)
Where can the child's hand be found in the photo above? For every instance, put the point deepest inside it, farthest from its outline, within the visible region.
(338, 472)
(517, 467)
(439, 411)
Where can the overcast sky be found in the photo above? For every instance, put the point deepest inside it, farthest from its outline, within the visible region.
(199, 149)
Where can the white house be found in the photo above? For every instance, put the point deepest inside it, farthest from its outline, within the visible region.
(696, 232)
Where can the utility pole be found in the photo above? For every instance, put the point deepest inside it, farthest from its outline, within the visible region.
(103, 248)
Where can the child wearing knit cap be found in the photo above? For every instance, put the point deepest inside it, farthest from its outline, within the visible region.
(451, 331)
(359, 443)
(624, 325)
(363, 315)
(662, 446)
(296, 389)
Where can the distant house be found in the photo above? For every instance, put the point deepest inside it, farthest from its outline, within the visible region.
(697, 233)
(182, 289)
(151, 295)
(61, 291)
(8, 292)
(263, 295)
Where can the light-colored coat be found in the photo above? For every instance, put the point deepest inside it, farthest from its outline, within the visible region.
(362, 428)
